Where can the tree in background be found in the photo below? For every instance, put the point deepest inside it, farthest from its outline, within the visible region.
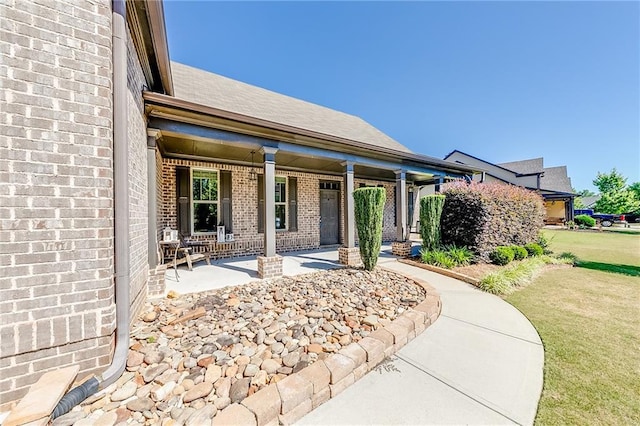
(369, 209)
(615, 196)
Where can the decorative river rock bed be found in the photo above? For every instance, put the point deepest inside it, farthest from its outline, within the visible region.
(196, 354)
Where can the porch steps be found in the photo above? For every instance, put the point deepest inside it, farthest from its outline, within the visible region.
(43, 396)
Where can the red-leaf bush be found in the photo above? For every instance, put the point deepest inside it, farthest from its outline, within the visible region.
(483, 216)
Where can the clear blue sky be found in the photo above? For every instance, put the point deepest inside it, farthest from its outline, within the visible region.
(503, 81)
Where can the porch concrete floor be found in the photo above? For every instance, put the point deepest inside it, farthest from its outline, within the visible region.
(241, 270)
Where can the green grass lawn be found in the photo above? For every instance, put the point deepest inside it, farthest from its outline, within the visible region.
(589, 320)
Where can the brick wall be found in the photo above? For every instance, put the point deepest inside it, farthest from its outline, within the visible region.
(56, 220)
(138, 186)
(245, 207)
(389, 217)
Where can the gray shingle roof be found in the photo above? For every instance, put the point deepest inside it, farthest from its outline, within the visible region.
(534, 165)
(212, 90)
(556, 179)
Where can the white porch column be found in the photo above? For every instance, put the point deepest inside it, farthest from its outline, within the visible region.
(401, 205)
(349, 254)
(269, 201)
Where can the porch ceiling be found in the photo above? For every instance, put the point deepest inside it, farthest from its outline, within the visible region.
(240, 153)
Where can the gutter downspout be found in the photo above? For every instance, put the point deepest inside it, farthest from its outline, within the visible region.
(121, 219)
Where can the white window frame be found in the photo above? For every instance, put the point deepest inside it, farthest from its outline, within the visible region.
(193, 202)
(285, 203)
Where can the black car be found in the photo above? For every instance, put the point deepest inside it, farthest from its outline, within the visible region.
(631, 217)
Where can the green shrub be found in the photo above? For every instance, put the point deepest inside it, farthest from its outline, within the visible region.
(462, 256)
(438, 258)
(430, 213)
(519, 253)
(369, 209)
(485, 216)
(534, 249)
(501, 255)
(584, 220)
(504, 281)
(447, 258)
(543, 241)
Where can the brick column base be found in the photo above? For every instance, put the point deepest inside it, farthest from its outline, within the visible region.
(401, 248)
(349, 256)
(269, 267)
(156, 284)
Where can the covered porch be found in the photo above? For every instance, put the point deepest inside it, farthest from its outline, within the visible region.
(237, 271)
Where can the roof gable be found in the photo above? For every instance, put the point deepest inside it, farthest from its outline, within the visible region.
(213, 90)
(556, 179)
(525, 167)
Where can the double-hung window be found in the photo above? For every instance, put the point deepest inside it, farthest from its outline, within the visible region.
(281, 202)
(205, 201)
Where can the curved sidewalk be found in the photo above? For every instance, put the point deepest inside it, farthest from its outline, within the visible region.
(481, 362)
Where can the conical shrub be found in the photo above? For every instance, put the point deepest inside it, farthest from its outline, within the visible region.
(430, 213)
(369, 209)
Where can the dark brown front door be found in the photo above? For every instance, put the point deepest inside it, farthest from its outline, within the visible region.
(329, 217)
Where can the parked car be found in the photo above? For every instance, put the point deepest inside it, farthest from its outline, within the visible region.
(631, 217)
(606, 220)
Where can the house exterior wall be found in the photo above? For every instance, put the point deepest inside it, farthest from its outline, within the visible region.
(245, 209)
(138, 185)
(56, 190)
(499, 173)
(555, 209)
(56, 211)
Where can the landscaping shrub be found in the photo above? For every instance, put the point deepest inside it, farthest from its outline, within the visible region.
(438, 258)
(447, 258)
(430, 213)
(369, 208)
(461, 255)
(584, 220)
(501, 255)
(534, 249)
(504, 281)
(519, 253)
(484, 216)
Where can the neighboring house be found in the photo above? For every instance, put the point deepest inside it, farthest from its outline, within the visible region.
(105, 143)
(553, 183)
(590, 201)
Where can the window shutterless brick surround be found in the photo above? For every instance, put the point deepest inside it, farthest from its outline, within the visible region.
(291, 398)
(245, 209)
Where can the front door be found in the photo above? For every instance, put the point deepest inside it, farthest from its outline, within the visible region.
(329, 217)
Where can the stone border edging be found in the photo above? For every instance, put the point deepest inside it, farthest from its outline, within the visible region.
(291, 398)
(447, 272)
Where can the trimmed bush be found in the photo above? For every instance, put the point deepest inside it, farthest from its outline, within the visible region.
(534, 249)
(584, 220)
(369, 208)
(501, 255)
(483, 216)
(519, 253)
(430, 213)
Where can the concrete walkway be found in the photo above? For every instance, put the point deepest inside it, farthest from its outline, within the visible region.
(480, 363)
